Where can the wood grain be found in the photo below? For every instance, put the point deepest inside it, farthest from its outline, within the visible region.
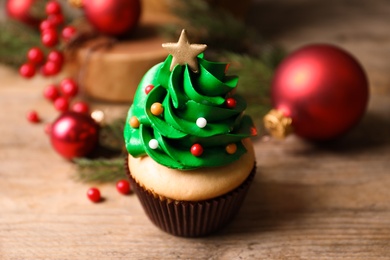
(307, 201)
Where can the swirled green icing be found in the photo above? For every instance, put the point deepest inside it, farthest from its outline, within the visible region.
(185, 97)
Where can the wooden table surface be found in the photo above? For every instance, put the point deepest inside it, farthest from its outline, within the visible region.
(307, 202)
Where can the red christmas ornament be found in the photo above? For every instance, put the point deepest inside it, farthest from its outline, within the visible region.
(33, 117)
(123, 187)
(51, 92)
(320, 90)
(113, 17)
(74, 134)
(61, 104)
(53, 7)
(80, 107)
(49, 38)
(35, 55)
(51, 68)
(21, 10)
(56, 56)
(69, 87)
(27, 70)
(93, 195)
(68, 33)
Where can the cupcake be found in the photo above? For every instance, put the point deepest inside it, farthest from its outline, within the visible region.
(190, 159)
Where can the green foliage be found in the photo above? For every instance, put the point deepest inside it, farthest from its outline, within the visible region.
(100, 170)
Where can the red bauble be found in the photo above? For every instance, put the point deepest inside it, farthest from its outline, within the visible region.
(196, 150)
(27, 70)
(49, 37)
(123, 187)
(35, 55)
(68, 33)
(93, 195)
(80, 107)
(56, 56)
(53, 7)
(33, 117)
(323, 89)
(21, 10)
(74, 134)
(51, 92)
(51, 68)
(113, 17)
(61, 104)
(69, 87)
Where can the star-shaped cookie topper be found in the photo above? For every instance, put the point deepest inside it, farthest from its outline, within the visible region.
(183, 52)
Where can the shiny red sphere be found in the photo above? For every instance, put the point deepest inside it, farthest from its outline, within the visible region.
(49, 38)
(45, 25)
(27, 70)
(61, 104)
(33, 117)
(74, 134)
(51, 92)
(113, 17)
(53, 7)
(21, 10)
(51, 68)
(68, 32)
(93, 195)
(196, 150)
(56, 19)
(123, 187)
(69, 87)
(80, 107)
(56, 56)
(35, 55)
(323, 89)
(231, 102)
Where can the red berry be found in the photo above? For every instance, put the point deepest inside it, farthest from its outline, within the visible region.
(56, 19)
(51, 68)
(51, 92)
(27, 70)
(69, 87)
(49, 38)
(45, 25)
(35, 55)
(123, 186)
(148, 89)
(33, 117)
(68, 32)
(53, 7)
(231, 102)
(61, 104)
(56, 56)
(80, 107)
(94, 195)
(196, 150)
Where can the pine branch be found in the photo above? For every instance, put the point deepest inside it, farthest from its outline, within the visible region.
(100, 170)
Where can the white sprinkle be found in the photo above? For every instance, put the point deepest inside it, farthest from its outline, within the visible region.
(201, 122)
(153, 144)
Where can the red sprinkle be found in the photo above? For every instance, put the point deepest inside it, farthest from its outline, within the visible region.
(231, 102)
(148, 88)
(196, 150)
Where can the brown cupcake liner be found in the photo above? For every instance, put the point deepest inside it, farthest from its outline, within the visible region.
(191, 218)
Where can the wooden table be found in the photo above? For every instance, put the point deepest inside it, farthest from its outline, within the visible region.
(306, 202)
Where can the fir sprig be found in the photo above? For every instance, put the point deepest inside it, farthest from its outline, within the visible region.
(100, 170)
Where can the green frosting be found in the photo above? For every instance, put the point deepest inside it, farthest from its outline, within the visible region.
(185, 97)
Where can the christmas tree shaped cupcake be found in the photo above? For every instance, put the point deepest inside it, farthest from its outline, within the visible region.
(190, 158)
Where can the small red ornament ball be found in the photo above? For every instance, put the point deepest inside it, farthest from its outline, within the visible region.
(49, 38)
(231, 102)
(123, 187)
(27, 70)
(21, 10)
(56, 56)
(53, 7)
(113, 17)
(93, 195)
(196, 150)
(51, 92)
(33, 117)
(50, 68)
(74, 134)
(35, 55)
(69, 87)
(46, 24)
(80, 107)
(323, 89)
(68, 32)
(61, 104)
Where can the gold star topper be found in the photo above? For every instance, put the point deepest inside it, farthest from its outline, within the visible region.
(184, 53)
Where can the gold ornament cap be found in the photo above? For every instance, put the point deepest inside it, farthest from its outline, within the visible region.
(277, 124)
(76, 3)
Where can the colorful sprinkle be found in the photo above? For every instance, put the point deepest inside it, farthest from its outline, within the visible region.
(156, 109)
(231, 102)
(134, 122)
(201, 122)
(196, 150)
(149, 88)
(227, 67)
(153, 144)
(231, 148)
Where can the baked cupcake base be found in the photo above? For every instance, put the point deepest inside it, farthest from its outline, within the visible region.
(191, 218)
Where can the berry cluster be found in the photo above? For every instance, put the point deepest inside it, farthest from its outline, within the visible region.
(51, 64)
(122, 186)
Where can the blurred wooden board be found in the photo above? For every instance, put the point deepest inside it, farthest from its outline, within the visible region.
(307, 202)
